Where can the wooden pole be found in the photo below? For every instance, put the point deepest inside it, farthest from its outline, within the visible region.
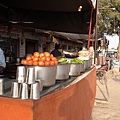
(96, 37)
(88, 46)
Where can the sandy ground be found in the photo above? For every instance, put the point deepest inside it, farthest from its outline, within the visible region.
(108, 107)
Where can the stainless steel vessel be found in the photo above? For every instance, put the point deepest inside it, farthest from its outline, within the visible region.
(30, 76)
(47, 74)
(40, 84)
(82, 67)
(15, 89)
(24, 91)
(1, 87)
(86, 64)
(90, 62)
(74, 69)
(34, 91)
(20, 74)
(62, 71)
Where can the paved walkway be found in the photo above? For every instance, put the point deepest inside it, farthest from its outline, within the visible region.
(104, 108)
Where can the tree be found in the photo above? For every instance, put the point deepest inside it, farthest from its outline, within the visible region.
(108, 16)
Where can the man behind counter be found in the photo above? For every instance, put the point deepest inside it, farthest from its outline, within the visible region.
(56, 51)
(2, 60)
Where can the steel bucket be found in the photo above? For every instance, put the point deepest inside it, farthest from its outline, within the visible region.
(47, 74)
(74, 69)
(86, 64)
(40, 84)
(90, 62)
(62, 71)
(82, 67)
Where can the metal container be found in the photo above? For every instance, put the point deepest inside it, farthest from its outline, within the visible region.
(30, 76)
(24, 91)
(34, 91)
(47, 74)
(1, 87)
(82, 67)
(86, 64)
(15, 90)
(40, 84)
(74, 69)
(20, 74)
(90, 62)
(62, 71)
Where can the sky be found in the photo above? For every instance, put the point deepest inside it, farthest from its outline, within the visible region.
(113, 41)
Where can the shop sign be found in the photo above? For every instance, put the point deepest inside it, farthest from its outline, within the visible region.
(13, 32)
(21, 51)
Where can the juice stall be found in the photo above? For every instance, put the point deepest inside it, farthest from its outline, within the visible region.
(67, 99)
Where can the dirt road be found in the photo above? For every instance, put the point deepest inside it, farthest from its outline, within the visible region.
(104, 108)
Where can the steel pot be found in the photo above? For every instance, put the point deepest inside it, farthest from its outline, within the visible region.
(74, 69)
(62, 71)
(47, 74)
(86, 64)
(82, 67)
(90, 63)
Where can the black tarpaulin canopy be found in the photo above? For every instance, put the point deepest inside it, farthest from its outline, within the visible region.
(54, 15)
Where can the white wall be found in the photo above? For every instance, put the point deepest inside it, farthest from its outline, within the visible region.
(113, 41)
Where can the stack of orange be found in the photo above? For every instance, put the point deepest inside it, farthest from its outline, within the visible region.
(42, 59)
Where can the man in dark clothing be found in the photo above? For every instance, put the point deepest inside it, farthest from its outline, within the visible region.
(56, 51)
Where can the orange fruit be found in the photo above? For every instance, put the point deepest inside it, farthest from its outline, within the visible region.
(52, 63)
(28, 58)
(47, 59)
(51, 55)
(25, 62)
(35, 59)
(53, 58)
(42, 54)
(47, 54)
(41, 63)
(35, 62)
(22, 61)
(47, 63)
(32, 56)
(43, 58)
(55, 62)
(29, 62)
(36, 54)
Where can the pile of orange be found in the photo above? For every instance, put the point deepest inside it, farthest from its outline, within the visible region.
(42, 59)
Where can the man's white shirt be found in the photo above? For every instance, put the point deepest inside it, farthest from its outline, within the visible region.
(2, 59)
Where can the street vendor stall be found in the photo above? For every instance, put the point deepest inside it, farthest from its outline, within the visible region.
(67, 99)
(72, 99)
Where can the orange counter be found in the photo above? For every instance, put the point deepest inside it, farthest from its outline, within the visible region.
(73, 102)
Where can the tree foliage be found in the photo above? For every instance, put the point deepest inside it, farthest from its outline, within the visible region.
(108, 16)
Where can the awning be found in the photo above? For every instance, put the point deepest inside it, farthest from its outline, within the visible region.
(50, 5)
(54, 15)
